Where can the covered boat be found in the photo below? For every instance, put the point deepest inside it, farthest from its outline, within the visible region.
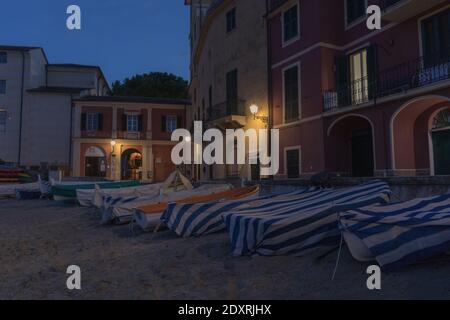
(68, 191)
(151, 216)
(398, 234)
(119, 211)
(298, 223)
(95, 197)
(9, 190)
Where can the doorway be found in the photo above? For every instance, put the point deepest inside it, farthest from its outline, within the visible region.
(131, 165)
(95, 163)
(362, 153)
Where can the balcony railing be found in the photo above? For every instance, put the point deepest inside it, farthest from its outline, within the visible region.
(401, 10)
(226, 109)
(402, 78)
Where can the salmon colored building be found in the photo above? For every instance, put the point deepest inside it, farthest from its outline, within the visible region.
(360, 102)
(123, 138)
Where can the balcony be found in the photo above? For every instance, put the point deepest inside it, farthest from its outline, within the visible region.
(228, 115)
(419, 73)
(401, 10)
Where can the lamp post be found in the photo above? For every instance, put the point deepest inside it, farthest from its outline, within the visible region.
(113, 159)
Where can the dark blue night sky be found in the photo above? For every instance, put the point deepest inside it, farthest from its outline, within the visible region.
(124, 37)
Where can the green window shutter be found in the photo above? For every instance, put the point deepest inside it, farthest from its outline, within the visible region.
(372, 70)
(83, 122)
(342, 81)
(179, 122)
(163, 124)
(100, 122)
(140, 120)
(124, 122)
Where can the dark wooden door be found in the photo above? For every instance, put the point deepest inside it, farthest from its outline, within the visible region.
(362, 154)
(441, 144)
(95, 167)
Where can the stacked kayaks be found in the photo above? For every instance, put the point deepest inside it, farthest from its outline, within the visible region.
(13, 175)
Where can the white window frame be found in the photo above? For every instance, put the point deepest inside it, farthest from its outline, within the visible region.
(295, 39)
(283, 71)
(357, 21)
(170, 127)
(6, 84)
(3, 120)
(132, 123)
(299, 148)
(92, 122)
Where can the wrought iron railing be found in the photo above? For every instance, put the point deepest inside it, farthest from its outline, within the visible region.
(401, 78)
(227, 108)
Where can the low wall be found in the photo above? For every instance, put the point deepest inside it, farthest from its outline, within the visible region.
(403, 188)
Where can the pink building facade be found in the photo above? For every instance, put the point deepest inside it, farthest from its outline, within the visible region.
(358, 102)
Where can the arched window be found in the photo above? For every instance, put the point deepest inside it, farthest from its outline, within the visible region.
(442, 120)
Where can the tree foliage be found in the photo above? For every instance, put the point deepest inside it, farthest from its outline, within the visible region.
(153, 84)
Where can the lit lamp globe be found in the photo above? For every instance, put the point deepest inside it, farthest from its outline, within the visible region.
(187, 139)
(254, 109)
(113, 143)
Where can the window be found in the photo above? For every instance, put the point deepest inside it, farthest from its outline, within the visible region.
(355, 9)
(436, 39)
(291, 94)
(93, 122)
(290, 24)
(359, 77)
(232, 92)
(2, 86)
(293, 163)
(132, 123)
(3, 118)
(3, 57)
(171, 123)
(231, 20)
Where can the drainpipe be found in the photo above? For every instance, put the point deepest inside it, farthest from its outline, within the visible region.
(269, 78)
(72, 109)
(19, 158)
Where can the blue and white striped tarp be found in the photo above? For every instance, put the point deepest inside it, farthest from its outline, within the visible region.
(400, 234)
(298, 224)
(188, 220)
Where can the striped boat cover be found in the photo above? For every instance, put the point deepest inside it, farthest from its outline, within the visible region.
(297, 224)
(188, 220)
(403, 233)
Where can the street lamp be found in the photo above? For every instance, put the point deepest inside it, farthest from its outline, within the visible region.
(254, 110)
(113, 144)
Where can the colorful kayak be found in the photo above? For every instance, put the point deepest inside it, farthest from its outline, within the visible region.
(68, 192)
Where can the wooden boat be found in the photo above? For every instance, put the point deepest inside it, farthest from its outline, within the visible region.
(68, 192)
(148, 217)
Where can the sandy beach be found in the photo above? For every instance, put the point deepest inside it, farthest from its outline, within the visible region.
(40, 239)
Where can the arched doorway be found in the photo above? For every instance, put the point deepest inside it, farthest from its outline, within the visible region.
(95, 163)
(131, 167)
(350, 151)
(440, 134)
(414, 131)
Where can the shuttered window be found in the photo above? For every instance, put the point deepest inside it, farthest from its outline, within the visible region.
(91, 122)
(290, 24)
(291, 94)
(2, 86)
(3, 117)
(356, 9)
(231, 20)
(436, 39)
(132, 123)
(3, 57)
(232, 92)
